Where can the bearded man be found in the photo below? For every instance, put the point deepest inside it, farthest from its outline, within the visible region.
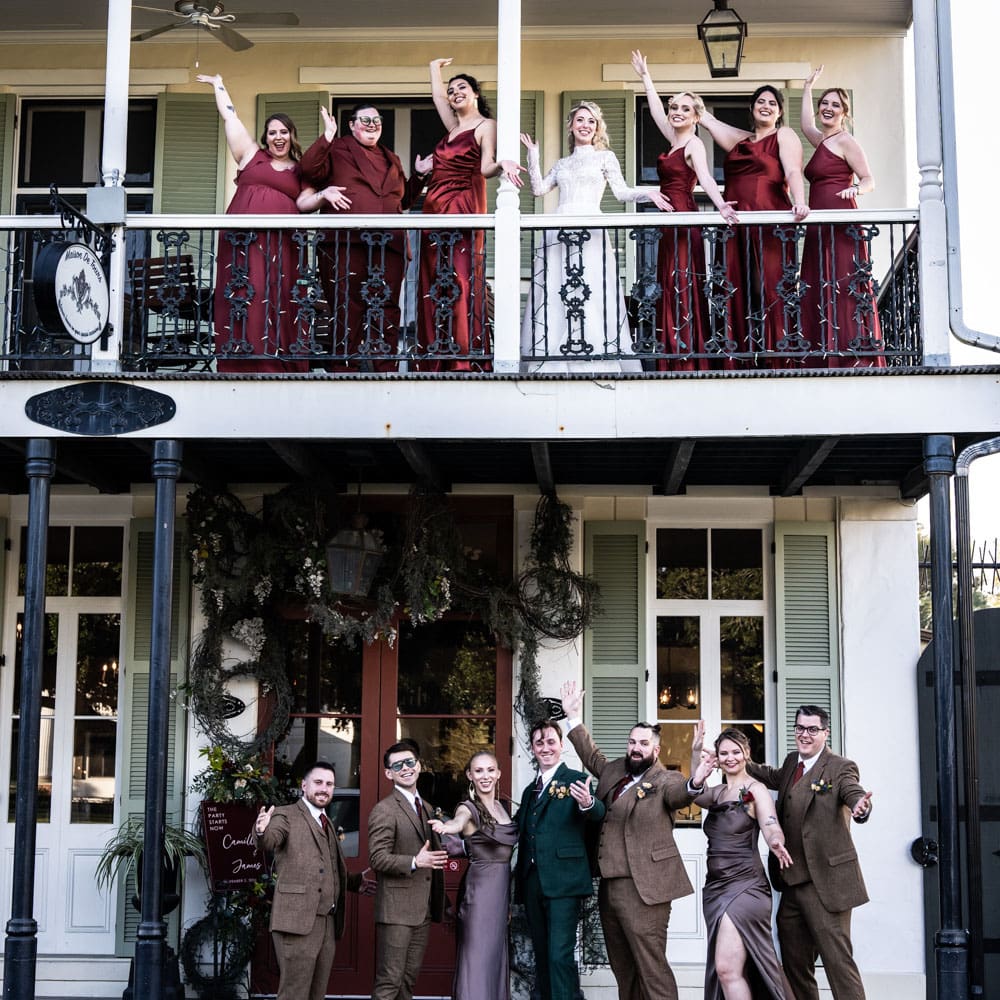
(641, 869)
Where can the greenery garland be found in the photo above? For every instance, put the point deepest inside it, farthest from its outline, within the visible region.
(248, 566)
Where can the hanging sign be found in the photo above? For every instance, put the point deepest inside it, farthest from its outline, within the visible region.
(71, 291)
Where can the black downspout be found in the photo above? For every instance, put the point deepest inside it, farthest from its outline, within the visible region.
(151, 936)
(970, 725)
(951, 945)
(21, 946)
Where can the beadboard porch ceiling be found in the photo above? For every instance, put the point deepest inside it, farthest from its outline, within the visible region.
(59, 17)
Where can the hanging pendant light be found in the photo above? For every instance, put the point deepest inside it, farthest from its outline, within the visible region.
(722, 33)
(354, 555)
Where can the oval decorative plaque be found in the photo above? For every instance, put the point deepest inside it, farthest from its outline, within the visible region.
(100, 408)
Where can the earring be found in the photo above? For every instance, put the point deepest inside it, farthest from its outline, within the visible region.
(472, 792)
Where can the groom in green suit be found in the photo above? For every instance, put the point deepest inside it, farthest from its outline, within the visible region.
(553, 873)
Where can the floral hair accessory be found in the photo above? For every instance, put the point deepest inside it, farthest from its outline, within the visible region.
(821, 787)
(646, 786)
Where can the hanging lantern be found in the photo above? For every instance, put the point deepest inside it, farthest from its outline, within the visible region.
(722, 32)
(353, 557)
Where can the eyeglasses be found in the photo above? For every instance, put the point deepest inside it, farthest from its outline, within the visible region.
(366, 120)
(811, 730)
(407, 762)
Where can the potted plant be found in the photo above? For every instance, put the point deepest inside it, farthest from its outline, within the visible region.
(123, 855)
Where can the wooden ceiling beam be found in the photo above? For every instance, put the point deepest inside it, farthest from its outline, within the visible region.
(678, 460)
(542, 460)
(423, 468)
(805, 465)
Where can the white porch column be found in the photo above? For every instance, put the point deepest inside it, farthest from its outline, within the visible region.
(106, 204)
(934, 317)
(507, 236)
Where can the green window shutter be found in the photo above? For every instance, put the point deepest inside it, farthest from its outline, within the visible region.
(301, 106)
(531, 122)
(614, 652)
(7, 104)
(807, 625)
(619, 116)
(138, 632)
(188, 147)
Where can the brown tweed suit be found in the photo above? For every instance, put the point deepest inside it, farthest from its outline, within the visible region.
(641, 870)
(824, 882)
(312, 879)
(407, 899)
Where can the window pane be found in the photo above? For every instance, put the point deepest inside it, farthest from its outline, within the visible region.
(682, 563)
(46, 733)
(97, 562)
(446, 745)
(675, 755)
(49, 648)
(678, 667)
(141, 144)
(324, 678)
(93, 771)
(447, 668)
(54, 146)
(741, 656)
(57, 568)
(97, 665)
(737, 565)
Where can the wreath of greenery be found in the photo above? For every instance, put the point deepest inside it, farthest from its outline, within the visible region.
(227, 933)
(248, 566)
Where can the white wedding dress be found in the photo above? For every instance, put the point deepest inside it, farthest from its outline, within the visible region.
(575, 309)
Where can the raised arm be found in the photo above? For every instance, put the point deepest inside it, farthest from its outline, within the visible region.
(489, 165)
(809, 130)
(790, 154)
(656, 109)
(722, 134)
(539, 185)
(462, 823)
(241, 143)
(697, 160)
(767, 820)
(439, 94)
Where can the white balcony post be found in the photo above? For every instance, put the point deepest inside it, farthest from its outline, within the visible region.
(107, 204)
(507, 235)
(933, 257)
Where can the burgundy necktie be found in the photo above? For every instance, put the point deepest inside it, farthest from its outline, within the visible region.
(324, 822)
(620, 787)
(799, 771)
(538, 786)
(418, 805)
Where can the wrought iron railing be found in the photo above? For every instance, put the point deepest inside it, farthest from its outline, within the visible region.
(627, 293)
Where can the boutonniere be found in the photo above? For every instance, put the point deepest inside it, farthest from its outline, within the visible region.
(821, 787)
(646, 786)
(745, 798)
(341, 836)
(558, 791)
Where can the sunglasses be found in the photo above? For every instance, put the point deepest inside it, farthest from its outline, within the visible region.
(407, 762)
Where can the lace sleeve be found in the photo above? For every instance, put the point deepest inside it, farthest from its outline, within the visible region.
(613, 175)
(539, 185)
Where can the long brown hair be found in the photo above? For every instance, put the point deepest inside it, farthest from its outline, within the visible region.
(294, 149)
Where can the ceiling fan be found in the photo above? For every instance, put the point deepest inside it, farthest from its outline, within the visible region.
(211, 16)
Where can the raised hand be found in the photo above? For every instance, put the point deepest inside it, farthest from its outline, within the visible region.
(214, 79)
(698, 739)
(814, 75)
(572, 700)
(440, 64)
(329, 123)
(639, 63)
(426, 858)
(704, 770)
(263, 820)
(336, 197)
(529, 144)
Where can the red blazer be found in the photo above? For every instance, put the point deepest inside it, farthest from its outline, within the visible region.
(345, 164)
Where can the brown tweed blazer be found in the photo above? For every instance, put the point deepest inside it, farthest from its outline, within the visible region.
(395, 837)
(816, 817)
(654, 862)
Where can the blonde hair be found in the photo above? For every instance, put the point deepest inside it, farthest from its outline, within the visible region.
(600, 133)
(699, 104)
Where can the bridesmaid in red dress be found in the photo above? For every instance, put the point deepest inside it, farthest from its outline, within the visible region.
(761, 168)
(683, 317)
(255, 327)
(839, 313)
(454, 322)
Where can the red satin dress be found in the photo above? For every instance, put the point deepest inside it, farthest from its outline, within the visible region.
(839, 312)
(270, 261)
(458, 322)
(755, 180)
(683, 316)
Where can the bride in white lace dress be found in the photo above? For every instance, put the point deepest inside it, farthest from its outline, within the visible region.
(576, 309)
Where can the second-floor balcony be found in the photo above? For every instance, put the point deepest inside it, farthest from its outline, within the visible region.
(637, 294)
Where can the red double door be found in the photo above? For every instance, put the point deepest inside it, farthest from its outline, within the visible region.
(439, 683)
